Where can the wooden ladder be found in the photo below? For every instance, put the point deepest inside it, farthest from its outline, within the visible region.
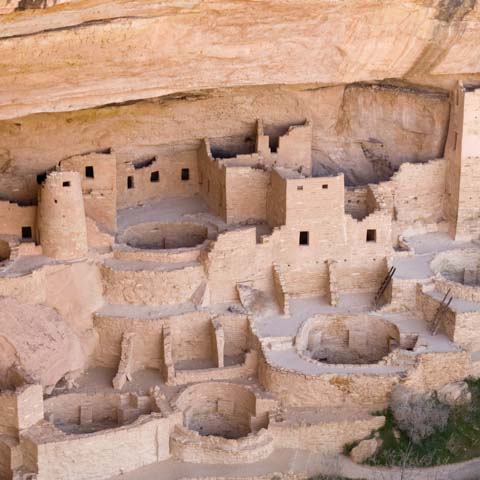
(384, 285)
(437, 319)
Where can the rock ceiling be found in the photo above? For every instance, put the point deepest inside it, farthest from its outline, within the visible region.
(86, 53)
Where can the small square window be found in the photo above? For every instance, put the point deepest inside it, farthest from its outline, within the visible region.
(65, 184)
(89, 172)
(185, 174)
(325, 186)
(130, 183)
(26, 233)
(155, 177)
(300, 187)
(371, 235)
(303, 238)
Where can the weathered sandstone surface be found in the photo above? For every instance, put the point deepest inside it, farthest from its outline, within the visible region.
(85, 53)
(36, 339)
(362, 129)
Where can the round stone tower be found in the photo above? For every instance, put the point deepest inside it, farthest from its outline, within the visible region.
(62, 228)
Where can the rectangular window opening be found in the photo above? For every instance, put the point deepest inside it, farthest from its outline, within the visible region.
(325, 186)
(371, 235)
(65, 184)
(185, 174)
(155, 177)
(26, 233)
(300, 187)
(130, 182)
(41, 177)
(89, 172)
(303, 238)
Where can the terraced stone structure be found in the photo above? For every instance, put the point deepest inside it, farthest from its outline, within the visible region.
(225, 238)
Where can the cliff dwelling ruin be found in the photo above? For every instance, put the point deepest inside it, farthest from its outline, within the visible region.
(239, 264)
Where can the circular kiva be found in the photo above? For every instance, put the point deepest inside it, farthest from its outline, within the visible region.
(219, 409)
(459, 266)
(159, 236)
(347, 339)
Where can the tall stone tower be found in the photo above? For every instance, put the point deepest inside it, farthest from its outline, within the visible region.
(462, 152)
(62, 227)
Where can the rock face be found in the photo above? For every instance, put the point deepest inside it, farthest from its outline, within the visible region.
(81, 54)
(456, 393)
(364, 130)
(35, 340)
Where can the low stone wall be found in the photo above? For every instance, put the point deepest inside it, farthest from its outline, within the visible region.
(20, 408)
(301, 390)
(180, 255)
(326, 437)
(55, 455)
(402, 294)
(190, 446)
(245, 370)
(280, 290)
(436, 369)
(457, 290)
(151, 287)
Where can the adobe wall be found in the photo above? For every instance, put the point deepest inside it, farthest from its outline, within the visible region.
(151, 287)
(190, 335)
(66, 409)
(277, 200)
(360, 274)
(13, 217)
(327, 390)
(434, 370)
(468, 223)
(307, 280)
(169, 167)
(294, 149)
(280, 290)
(50, 453)
(326, 437)
(245, 371)
(246, 194)
(62, 229)
(462, 153)
(212, 180)
(190, 446)
(100, 191)
(414, 197)
(20, 409)
(181, 255)
(226, 265)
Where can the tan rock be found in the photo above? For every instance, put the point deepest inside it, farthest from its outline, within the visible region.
(37, 341)
(224, 44)
(365, 449)
(456, 393)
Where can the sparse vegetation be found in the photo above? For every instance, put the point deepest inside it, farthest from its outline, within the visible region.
(419, 415)
(458, 440)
